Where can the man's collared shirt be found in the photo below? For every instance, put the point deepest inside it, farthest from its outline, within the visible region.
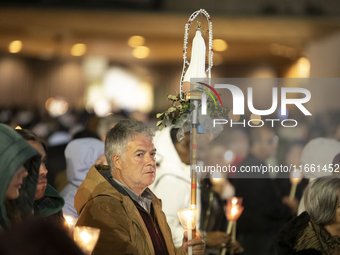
(143, 200)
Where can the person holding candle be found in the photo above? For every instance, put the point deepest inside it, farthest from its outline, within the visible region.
(265, 212)
(287, 181)
(173, 181)
(317, 230)
(116, 198)
(19, 170)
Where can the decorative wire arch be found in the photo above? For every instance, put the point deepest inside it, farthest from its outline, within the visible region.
(193, 16)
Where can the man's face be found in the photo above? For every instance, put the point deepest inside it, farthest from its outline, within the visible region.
(42, 181)
(137, 167)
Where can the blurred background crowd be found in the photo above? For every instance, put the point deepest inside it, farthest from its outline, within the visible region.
(71, 69)
(64, 66)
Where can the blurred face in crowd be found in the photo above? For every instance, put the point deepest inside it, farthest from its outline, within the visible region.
(265, 147)
(42, 181)
(269, 143)
(136, 168)
(183, 149)
(15, 185)
(294, 155)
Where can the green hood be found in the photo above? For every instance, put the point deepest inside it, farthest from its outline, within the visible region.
(49, 204)
(15, 152)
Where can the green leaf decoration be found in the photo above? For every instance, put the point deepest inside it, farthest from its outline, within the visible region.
(181, 106)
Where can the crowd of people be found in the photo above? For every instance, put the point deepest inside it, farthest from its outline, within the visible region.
(129, 181)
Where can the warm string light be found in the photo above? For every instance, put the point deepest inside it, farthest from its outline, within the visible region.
(141, 52)
(78, 49)
(220, 45)
(15, 46)
(56, 106)
(136, 40)
(255, 119)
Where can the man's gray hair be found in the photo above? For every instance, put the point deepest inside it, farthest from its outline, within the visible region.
(321, 199)
(107, 123)
(123, 132)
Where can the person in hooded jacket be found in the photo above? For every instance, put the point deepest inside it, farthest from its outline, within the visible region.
(20, 232)
(317, 230)
(173, 186)
(173, 182)
(80, 155)
(17, 160)
(323, 152)
(48, 203)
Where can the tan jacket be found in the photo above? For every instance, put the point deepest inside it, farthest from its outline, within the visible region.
(123, 230)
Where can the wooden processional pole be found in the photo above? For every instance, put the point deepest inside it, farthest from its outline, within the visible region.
(196, 69)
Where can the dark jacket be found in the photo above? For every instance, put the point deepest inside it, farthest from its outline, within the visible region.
(15, 152)
(123, 231)
(50, 206)
(262, 199)
(300, 236)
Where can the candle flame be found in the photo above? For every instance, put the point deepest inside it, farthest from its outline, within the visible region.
(216, 178)
(234, 210)
(69, 220)
(188, 214)
(234, 201)
(18, 127)
(85, 236)
(188, 218)
(296, 176)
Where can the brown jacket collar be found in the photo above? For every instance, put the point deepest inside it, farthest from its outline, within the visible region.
(96, 184)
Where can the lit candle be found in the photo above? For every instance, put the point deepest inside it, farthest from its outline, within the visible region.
(234, 210)
(70, 222)
(233, 237)
(235, 200)
(86, 238)
(188, 218)
(216, 178)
